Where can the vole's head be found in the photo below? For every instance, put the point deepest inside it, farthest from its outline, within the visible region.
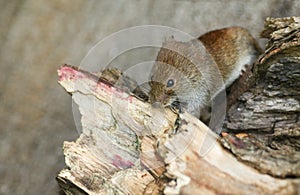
(166, 84)
(174, 77)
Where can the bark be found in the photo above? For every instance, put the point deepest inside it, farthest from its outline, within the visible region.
(268, 112)
(128, 147)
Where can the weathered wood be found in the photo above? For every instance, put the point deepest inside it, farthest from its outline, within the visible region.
(128, 147)
(269, 111)
(106, 157)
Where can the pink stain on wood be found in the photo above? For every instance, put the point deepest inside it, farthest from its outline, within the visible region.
(68, 73)
(130, 99)
(119, 162)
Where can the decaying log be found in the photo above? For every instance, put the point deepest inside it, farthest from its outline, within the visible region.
(128, 147)
(106, 158)
(269, 111)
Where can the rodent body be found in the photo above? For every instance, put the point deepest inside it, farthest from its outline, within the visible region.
(187, 75)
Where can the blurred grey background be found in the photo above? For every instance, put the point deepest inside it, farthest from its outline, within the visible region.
(38, 36)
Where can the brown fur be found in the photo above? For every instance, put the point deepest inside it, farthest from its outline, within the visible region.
(226, 45)
(227, 48)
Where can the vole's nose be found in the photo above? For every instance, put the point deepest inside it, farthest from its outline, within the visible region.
(157, 105)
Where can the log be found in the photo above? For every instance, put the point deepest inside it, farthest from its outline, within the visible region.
(128, 147)
(268, 112)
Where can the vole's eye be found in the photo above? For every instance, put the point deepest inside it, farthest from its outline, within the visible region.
(170, 83)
